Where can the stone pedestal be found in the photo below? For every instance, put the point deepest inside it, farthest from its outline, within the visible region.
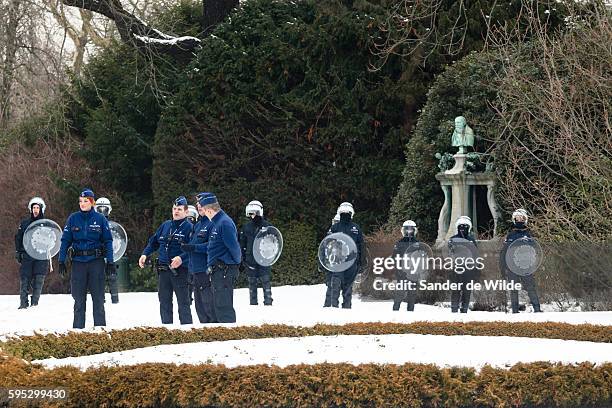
(459, 198)
(459, 164)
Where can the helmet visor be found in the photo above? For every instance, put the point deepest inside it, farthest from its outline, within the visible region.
(408, 231)
(103, 209)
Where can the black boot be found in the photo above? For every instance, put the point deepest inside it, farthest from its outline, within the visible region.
(37, 286)
(267, 290)
(252, 290)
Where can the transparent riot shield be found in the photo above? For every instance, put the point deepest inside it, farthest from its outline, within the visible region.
(337, 252)
(414, 260)
(120, 240)
(464, 254)
(42, 239)
(267, 246)
(524, 256)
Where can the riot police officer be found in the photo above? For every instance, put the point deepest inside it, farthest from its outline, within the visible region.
(343, 281)
(103, 206)
(88, 234)
(171, 273)
(519, 230)
(409, 232)
(196, 251)
(460, 297)
(224, 257)
(32, 271)
(255, 272)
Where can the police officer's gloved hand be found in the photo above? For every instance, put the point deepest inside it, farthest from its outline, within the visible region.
(62, 269)
(18, 256)
(187, 247)
(111, 270)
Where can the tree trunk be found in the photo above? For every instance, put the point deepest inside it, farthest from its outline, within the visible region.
(7, 74)
(214, 12)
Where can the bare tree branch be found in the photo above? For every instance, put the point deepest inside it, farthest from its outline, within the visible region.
(137, 33)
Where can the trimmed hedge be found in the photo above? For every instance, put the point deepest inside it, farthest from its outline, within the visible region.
(80, 344)
(320, 385)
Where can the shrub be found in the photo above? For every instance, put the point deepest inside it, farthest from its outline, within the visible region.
(41, 346)
(322, 385)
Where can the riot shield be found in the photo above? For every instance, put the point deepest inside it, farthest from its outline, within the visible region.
(414, 261)
(337, 252)
(267, 246)
(524, 256)
(120, 239)
(464, 254)
(42, 239)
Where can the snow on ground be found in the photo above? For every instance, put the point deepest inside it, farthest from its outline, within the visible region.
(293, 305)
(444, 351)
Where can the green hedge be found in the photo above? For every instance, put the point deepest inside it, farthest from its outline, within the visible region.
(321, 385)
(79, 344)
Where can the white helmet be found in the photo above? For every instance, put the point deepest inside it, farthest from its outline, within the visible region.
(254, 207)
(103, 206)
(346, 207)
(520, 212)
(39, 201)
(192, 212)
(463, 220)
(408, 226)
(336, 219)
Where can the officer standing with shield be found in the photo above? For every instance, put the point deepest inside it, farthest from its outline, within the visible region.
(343, 281)
(519, 232)
(103, 206)
(197, 258)
(462, 246)
(88, 234)
(224, 257)
(254, 211)
(171, 273)
(403, 247)
(32, 271)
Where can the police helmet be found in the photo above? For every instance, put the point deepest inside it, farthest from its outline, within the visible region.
(521, 212)
(103, 206)
(39, 201)
(346, 207)
(254, 208)
(192, 212)
(463, 220)
(409, 229)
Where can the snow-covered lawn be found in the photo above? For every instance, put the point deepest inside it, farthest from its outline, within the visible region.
(444, 351)
(302, 306)
(293, 305)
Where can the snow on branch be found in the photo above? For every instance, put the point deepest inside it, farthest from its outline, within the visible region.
(136, 32)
